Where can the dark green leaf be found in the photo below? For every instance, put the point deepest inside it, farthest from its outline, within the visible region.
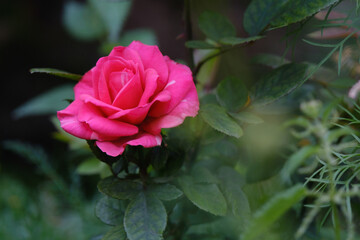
(82, 21)
(279, 83)
(165, 192)
(110, 211)
(113, 14)
(159, 157)
(205, 196)
(259, 13)
(199, 45)
(297, 10)
(46, 103)
(90, 166)
(216, 26)
(218, 118)
(236, 40)
(273, 210)
(203, 175)
(120, 189)
(269, 60)
(116, 233)
(232, 94)
(247, 117)
(223, 228)
(57, 72)
(145, 218)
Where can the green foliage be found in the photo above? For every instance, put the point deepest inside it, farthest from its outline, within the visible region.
(200, 194)
(145, 218)
(110, 211)
(216, 26)
(116, 233)
(119, 189)
(165, 192)
(232, 94)
(57, 72)
(218, 118)
(273, 210)
(199, 44)
(46, 103)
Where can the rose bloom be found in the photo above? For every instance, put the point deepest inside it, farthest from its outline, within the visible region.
(128, 97)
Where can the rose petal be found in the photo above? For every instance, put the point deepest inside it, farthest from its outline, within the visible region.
(115, 148)
(152, 58)
(151, 79)
(85, 85)
(129, 55)
(105, 108)
(180, 83)
(70, 123)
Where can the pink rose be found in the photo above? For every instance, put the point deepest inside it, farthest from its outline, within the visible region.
(128, 97)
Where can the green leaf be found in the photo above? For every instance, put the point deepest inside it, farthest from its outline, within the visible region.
(297, 10)
(232, 94)
(218, 118)
(57, 72)
(236, 40)
(216, 26)
(269, 60)
(165, 192)
(146, 36)
(110, 211)
(199, 45)
(47, 103)
(231, 183)
(203, 175)
(116, 233)
(273, 210)
(113, 14)
(145, 218)
(223, 228)
(247, 117)
(296, 160)
(205, 196)
(82, 21)
(118, 188)
(259, 13)
(279, 83)
(90, 166)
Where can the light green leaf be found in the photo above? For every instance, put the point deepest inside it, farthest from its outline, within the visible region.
(82, 21)
(57, 72)
(232, 94)
(247, 117)
(296, 160)
(113, 14)
(218, 118)
(259, 13)
(145, 218)
(118, 188)
(165, 192)
(273, 210)
(116, 233)
(47, 103)
(205, 196)
(236, 40)
(279, 83)
(90, 166)
(216, 26)
(110, 211)
(199, 45)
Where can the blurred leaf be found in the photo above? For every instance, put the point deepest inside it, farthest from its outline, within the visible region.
(345, 83)
(145, 36)
(231, 182)
(199, 44)
(202, 175)
(110, 211)
(259, 13)
(279, 83)
(232, 94)
(205, 196)
(46, 103)
(269, 60)
(273, 210)
(165, 192)
(57, 72)
(296, 160)
(216, 26)
(224, 228)
(145, 218)
(90, 166)
(82, 21)
(116, 233)
(296, 10)
(218, 118)
(113, 14)
(118, 188)
(247, 117)
(236, 40)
